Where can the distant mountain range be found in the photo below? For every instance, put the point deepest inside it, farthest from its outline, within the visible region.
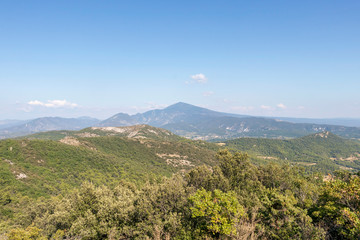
(193, 122)
(21, 128)
(201, 123)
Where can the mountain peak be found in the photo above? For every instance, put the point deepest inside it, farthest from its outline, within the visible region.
(181, 105)
(188, 108)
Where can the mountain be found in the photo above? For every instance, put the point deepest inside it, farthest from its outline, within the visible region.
(177, 113)
(47, 124)
(10, 123)
(40, 167)
(191, 122)
(322, 151)
(201, 123)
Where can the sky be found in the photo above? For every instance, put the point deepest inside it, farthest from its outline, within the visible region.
(98, 58)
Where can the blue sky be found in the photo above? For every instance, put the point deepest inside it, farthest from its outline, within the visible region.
(98, 58)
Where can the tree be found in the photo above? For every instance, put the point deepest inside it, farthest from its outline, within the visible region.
(30, 233)
(216, 213)
(338, 208)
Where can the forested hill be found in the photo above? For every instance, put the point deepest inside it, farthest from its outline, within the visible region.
(324, 151)
(122, 183)
(318, 152)
(36, 167)
(234, 200)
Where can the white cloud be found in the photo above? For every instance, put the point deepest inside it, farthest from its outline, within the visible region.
(207, 94)
(53, 104)
(281, 105)
(266, 107)
(200, 78)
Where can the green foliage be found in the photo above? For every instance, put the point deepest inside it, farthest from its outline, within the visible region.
(233, 200)
(216, 212)
(338, 207)
(284, 219)
(323, 152)
(101, 160)
(30, 233)
(207, 178)
(90, 213)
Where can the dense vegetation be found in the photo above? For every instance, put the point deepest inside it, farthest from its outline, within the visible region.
(323, 152)
(146, 183)
(234, 200)
(44, 167)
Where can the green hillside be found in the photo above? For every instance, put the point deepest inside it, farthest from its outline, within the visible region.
(36, 167)
(134, 191)
(317, 152)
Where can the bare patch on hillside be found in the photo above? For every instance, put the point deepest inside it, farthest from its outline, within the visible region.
(267, 157)
(21, 176)
(345, 168)
(9, 162)
(322, 134)
(133, 134)
(87, 134)
(152, 131)
(176, 160)
(350, 159)
(75, 142)
(70, 141)
(306, 163)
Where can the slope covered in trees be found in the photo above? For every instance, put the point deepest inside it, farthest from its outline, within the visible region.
(324, 151)
(46, 167)
(143, 182)
(233, 200)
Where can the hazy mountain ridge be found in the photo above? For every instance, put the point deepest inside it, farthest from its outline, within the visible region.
(47, 124)
(191, 122)
(179, 112)
(200, 123)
